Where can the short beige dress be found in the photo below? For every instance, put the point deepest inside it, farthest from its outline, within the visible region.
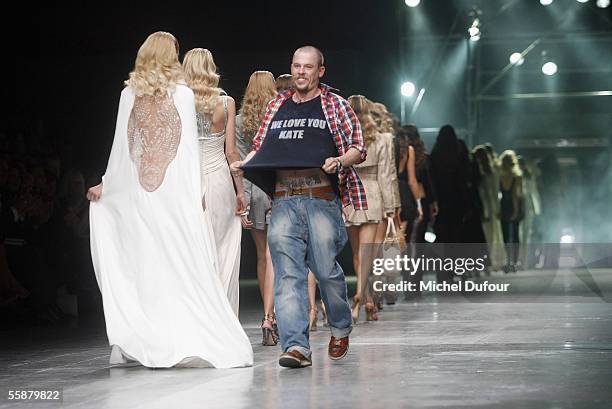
(376, 174)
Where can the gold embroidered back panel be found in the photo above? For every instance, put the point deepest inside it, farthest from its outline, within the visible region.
(154, 133)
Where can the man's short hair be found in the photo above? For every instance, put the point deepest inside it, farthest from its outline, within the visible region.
(310, 48)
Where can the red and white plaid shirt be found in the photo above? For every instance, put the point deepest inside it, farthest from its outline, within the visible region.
(346, 130)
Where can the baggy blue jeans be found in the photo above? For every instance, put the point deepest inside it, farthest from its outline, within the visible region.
(307, 233)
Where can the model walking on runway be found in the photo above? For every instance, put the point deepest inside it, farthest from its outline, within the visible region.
(216, 115)
(151, 243)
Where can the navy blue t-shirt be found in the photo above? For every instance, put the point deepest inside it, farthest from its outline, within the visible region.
(298, 138)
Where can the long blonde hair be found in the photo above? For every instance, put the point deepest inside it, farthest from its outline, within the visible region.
(202, 78)
(509, 162)
(157, 69)
(382, 117)
(360, 105)
(259, 91)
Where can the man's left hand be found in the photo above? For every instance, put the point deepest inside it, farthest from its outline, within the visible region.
(331, 165)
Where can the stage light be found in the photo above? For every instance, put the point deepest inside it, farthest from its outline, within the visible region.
(602, 4)
(474, 30)
(582, 1)
(546, 2)
(516, 59)
(407, 89)
(430, 237)
(567, 236)
(412, 3)
(549, 68)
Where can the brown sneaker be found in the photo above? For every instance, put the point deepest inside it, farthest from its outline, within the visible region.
(338, 347)
(293, 359)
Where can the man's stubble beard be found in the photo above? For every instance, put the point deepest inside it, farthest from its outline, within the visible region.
(307, 88)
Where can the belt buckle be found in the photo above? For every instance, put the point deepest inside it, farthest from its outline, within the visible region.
(296, 191)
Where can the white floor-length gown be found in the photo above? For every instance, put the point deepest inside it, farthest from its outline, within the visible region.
(220, 199)
(152, 245)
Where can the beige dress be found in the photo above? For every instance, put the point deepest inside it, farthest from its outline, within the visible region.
(390, 145)
(376, 174)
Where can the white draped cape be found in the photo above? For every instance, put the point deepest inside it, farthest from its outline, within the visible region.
(155, 259)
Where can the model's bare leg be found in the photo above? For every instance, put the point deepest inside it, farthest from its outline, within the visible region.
(368, 250)
(381, 230)
(259, 237)
(265, 278)
(312, 292)
(362, 243)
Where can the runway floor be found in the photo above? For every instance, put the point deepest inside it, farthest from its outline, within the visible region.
(548, 345)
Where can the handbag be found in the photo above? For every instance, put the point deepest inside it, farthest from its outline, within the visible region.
(401, 234)
(391, 249)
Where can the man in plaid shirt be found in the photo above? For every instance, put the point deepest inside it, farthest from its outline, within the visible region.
(302, 156)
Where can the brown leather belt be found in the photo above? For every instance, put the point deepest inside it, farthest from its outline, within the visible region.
(322, 192)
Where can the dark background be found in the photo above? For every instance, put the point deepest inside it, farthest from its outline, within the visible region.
(69, 63)
(66, 65)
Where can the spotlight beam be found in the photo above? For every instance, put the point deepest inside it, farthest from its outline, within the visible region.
(437, 62)
(600, 15)
(507, 68)
(546, 95)
(505, 7)
(417, 102)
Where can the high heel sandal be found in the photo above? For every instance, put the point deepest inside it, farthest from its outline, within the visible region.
(355, 309)
(269, 337)
(378, 301)
(370, 310)
(313, 319)
(275, 328)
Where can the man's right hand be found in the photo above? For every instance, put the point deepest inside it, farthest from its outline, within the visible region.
(94, 193)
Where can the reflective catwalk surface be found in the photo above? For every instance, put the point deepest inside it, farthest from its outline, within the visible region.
(551, 349)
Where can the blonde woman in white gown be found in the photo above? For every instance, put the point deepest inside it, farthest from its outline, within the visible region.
(216, 117)
(152, 245)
